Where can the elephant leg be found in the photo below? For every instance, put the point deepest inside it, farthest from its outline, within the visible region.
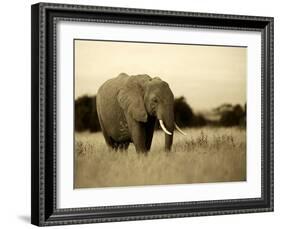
(109, 141)
(149, 129)
(123, 146)
(138, 135)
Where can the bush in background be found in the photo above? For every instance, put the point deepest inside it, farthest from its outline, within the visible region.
(232, 115)
(86, 117)
(184, 115)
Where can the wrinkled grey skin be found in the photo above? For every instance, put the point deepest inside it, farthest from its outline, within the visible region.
(128, 107)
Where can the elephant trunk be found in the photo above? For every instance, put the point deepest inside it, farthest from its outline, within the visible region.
(168, 142)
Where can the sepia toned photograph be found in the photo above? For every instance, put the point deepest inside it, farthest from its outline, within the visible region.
(158, 113)
(140, 114)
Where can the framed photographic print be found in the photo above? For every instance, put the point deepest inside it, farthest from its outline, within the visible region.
(148, 114)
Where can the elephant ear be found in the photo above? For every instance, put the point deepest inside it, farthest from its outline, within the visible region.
(130, 98)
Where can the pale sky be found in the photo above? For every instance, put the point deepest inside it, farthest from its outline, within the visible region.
(206, 76)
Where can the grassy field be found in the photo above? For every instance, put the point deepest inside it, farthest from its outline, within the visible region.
(204, 155)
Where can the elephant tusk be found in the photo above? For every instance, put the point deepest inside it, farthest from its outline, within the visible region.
(164, 128)
(179, 130)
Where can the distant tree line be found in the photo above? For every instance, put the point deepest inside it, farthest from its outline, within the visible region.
(184, 115)
(232, 115)
(86, 117)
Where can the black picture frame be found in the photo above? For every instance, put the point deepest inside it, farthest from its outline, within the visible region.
(44, 211)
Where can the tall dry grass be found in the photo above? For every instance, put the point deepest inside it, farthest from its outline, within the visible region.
(204, 155)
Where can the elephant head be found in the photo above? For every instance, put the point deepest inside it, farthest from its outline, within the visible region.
(159, 102)
(144, 97)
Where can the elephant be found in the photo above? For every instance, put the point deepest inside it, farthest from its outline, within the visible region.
(128, 107)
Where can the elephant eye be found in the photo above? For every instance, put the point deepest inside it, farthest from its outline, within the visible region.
(154, 100)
